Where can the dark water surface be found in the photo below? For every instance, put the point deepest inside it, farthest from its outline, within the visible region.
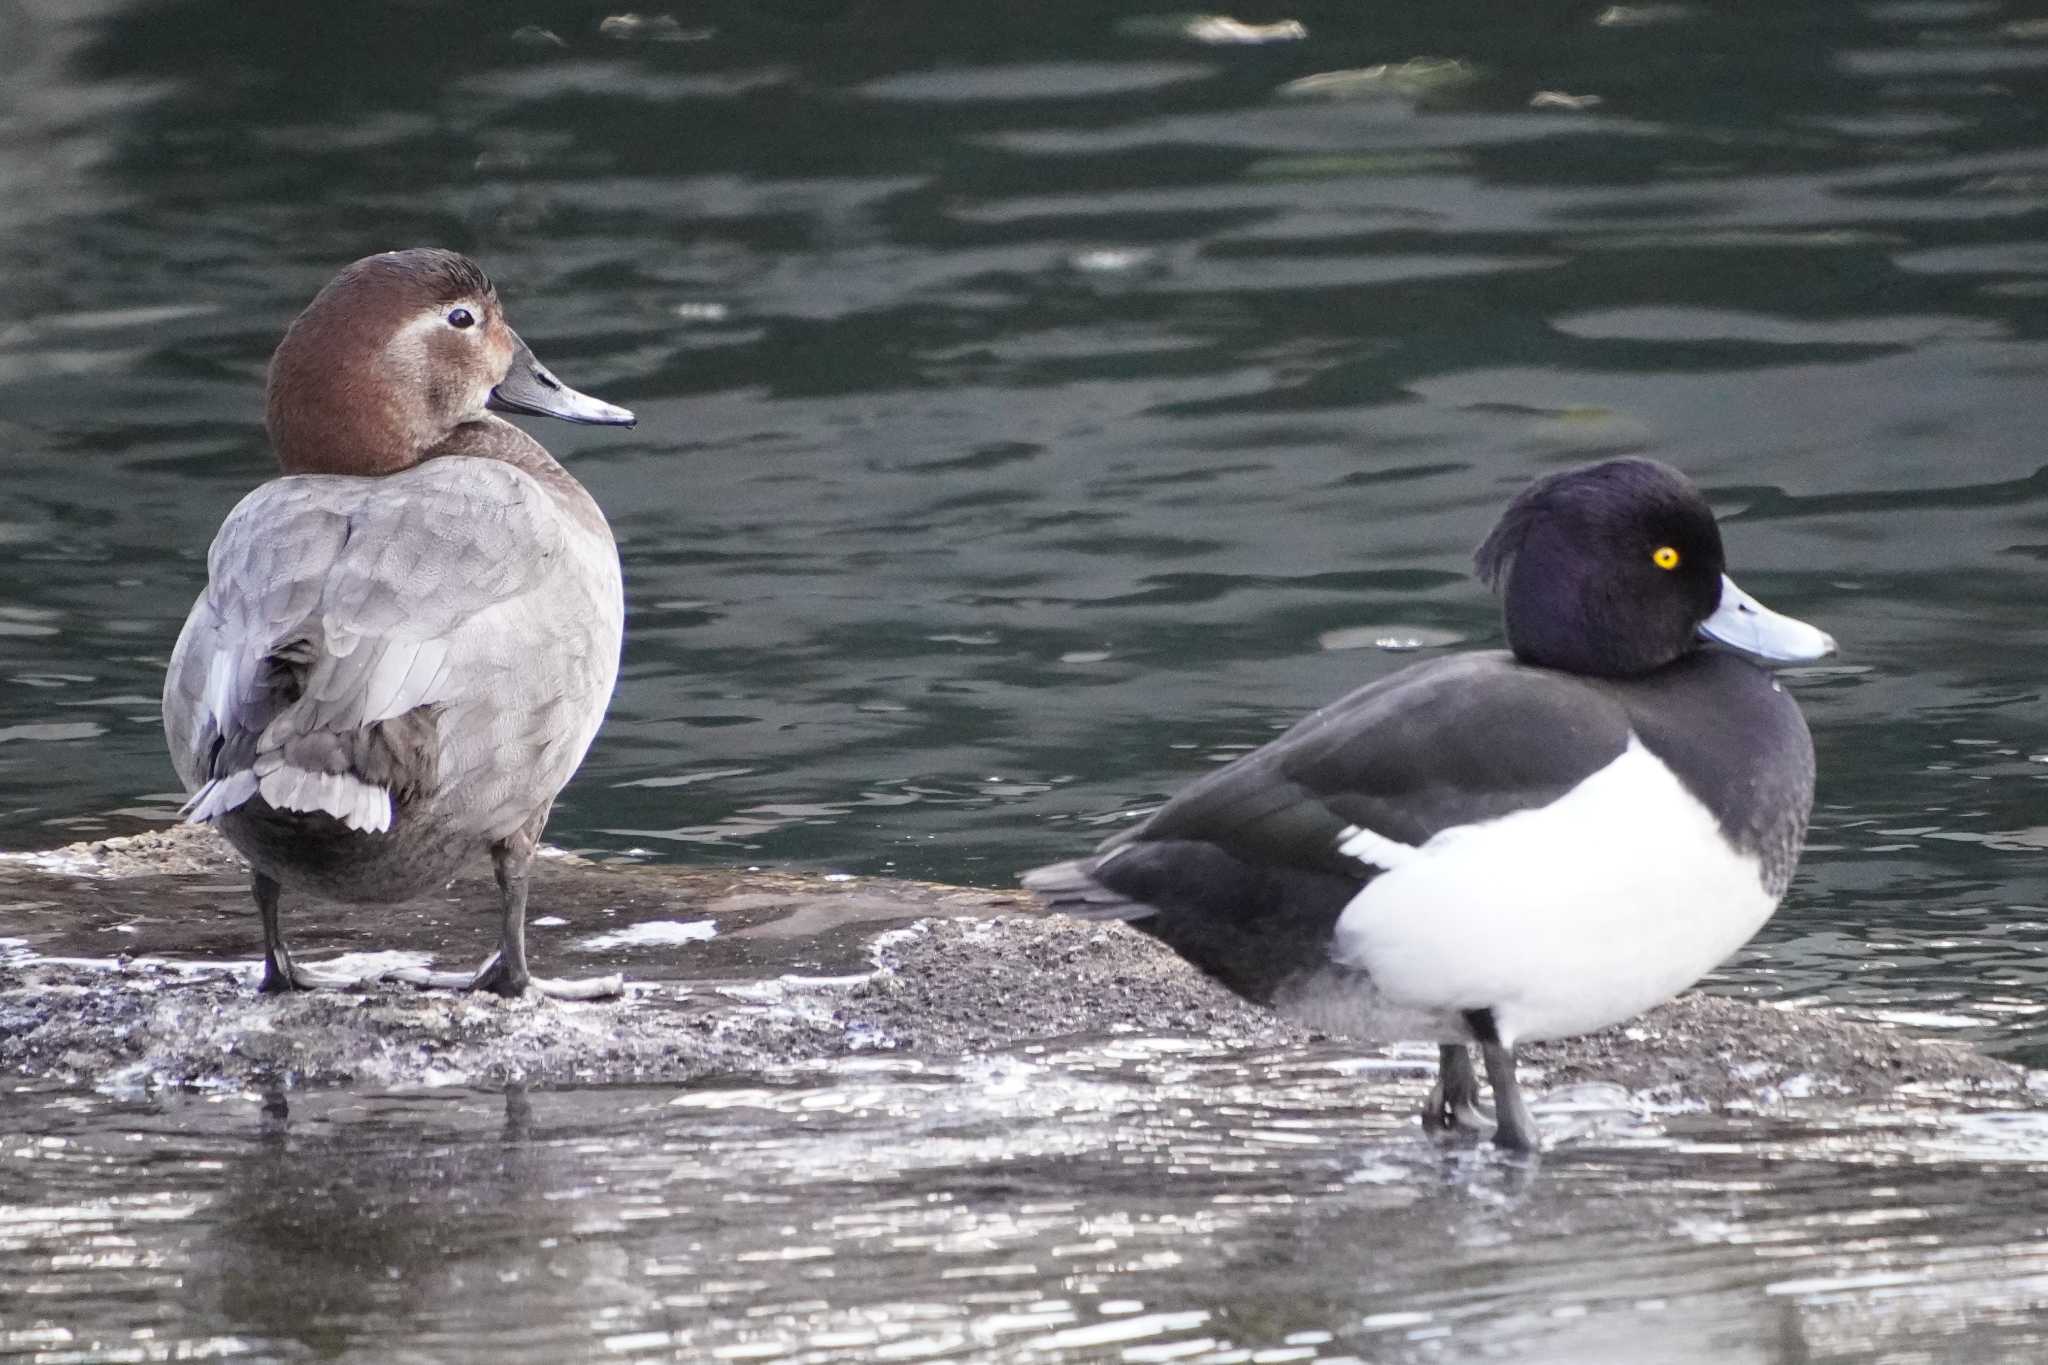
(1037, 405)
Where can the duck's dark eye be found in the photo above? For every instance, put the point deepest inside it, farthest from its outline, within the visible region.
(461, 318)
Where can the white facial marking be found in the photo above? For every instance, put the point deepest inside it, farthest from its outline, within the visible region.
(435, 319)
(1562, 919)
(407, 350)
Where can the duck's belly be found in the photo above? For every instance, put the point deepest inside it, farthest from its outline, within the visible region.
(1560, 920)
(1346, 1003)
(316, 853)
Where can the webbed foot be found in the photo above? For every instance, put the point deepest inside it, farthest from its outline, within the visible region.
(499, 980)
(282, 975)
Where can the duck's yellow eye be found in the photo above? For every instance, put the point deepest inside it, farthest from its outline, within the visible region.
(1664, 557)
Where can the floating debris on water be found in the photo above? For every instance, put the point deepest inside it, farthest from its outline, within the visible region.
(1638, 16)
(1558, 99)
(533, 35)
(702, 312)
(1415, 78)
(1218, 30)
(1222, 29)
(651, 28)
(1588, 427)
(1110, 260)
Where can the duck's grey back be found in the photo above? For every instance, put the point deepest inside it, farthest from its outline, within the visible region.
(449, 635)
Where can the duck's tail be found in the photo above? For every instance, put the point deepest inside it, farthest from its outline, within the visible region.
(1256, 928)
(360, 805)
(1071, 889)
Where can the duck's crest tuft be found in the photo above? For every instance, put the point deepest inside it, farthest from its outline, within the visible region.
(1609, 492)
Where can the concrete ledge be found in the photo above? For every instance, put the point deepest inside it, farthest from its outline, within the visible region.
(128, 964)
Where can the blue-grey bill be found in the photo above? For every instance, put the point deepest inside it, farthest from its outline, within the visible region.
(530, 386)
(1743, 623)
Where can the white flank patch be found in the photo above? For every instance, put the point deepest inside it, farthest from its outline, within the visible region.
(654, 933)
(1374, 850)
(1563, 919)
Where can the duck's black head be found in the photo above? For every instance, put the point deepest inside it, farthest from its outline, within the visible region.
(1614, 569)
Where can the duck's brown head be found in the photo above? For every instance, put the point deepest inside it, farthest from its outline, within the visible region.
(396, 353)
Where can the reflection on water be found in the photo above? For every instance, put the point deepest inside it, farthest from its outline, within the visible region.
(1147, 1200)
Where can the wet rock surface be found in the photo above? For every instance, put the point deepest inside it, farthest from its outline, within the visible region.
(127, 964)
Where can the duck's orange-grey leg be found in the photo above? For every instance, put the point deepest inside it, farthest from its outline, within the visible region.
(1453, 1101)
(504, 972)
(280, 973)
(277, 959)
(1516, 1129)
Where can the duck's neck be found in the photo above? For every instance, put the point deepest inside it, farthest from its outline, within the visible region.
(493, 438)
(325, 418)
(356, 436)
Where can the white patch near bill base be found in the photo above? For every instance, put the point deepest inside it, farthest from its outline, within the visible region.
(1374, 850)
(1563, 919)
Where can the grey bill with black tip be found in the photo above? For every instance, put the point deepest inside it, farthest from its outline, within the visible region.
(1742, 623)
(531, 387)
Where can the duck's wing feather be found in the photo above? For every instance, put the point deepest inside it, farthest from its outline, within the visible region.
(1458, 740)
(345, 618)
(1246, 870)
